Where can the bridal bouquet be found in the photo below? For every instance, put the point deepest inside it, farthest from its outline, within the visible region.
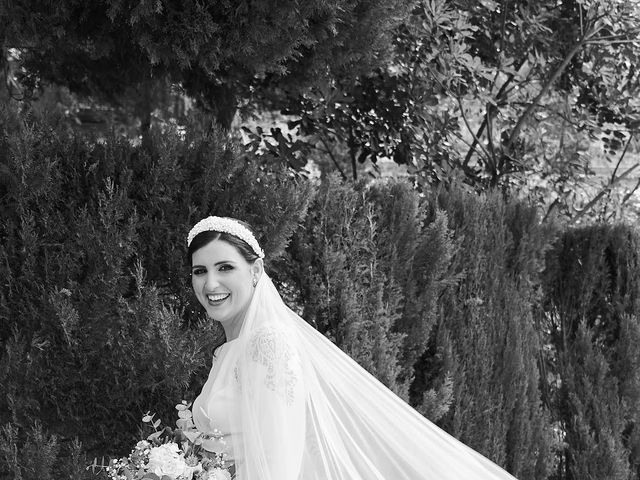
(170, 454)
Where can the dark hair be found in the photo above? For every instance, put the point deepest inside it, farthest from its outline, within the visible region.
(204, 238)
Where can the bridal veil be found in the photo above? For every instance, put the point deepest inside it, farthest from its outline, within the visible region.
(310, 412)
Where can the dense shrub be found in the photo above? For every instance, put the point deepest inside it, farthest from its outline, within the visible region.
(435, 296)
(364, 279)
(485, 340)
(590, 319)
(97, 321)
(518, 338)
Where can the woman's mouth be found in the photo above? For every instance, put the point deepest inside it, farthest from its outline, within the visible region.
(215, 299)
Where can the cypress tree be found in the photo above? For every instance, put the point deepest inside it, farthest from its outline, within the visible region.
(485, 339)
(346, 293)
(416, 252)
(590, 316)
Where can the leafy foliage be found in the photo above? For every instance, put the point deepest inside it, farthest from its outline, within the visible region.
(36, 457)
(215, 50)
(97, 320)
(521, 96)
(396, 111)
(590, 320)
(486, 343)
(354, 302)
(500, 95)
(437, 303)
(462, 304)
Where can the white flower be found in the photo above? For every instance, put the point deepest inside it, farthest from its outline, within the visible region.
(167, 460)
(218, 474)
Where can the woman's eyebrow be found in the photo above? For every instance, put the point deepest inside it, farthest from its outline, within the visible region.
(215, 264)
(224, 261)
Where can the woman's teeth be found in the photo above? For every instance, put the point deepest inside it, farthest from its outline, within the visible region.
(217, 297)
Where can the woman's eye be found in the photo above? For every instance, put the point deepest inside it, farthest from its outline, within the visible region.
(198, 271)
(224, 268)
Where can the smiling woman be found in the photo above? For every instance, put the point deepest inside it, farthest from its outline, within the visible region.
(284, 403)
(224, 281)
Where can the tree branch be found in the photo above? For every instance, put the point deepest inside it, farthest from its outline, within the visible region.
(476, 140)
(604, 191)
(483, 125)
(552, 111)
(545, 89)
(624, 152)
(610, 42)
(628, 195)
(551, 208)
(352, 153)
(333, 158)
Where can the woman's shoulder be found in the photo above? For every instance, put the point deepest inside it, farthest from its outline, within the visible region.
(271, 333)
(272, 341)
(273, 348)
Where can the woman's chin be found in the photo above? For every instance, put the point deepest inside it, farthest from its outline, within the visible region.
(218, 316)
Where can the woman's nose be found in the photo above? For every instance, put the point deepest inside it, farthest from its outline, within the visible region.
(211, 282)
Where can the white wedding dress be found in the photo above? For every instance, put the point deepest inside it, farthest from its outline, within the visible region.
(284, 403)
(215, 407)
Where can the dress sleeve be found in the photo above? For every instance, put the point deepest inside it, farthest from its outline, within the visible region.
(274, 406)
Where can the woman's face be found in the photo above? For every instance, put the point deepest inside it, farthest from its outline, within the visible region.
(223, 280)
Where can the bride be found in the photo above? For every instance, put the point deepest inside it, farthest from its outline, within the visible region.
(284, 403)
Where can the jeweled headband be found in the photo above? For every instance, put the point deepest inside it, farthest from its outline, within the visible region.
(225, 225)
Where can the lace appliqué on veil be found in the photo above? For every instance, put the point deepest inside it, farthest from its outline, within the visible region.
(272, 349)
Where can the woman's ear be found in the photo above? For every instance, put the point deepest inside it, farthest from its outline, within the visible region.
(256, 270)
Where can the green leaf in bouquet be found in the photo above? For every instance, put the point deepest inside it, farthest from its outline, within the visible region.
(185, 424)
(184, 414)
(155, 436)
(183, 406)
(148, 417)
(193, 437)
(156, 424)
